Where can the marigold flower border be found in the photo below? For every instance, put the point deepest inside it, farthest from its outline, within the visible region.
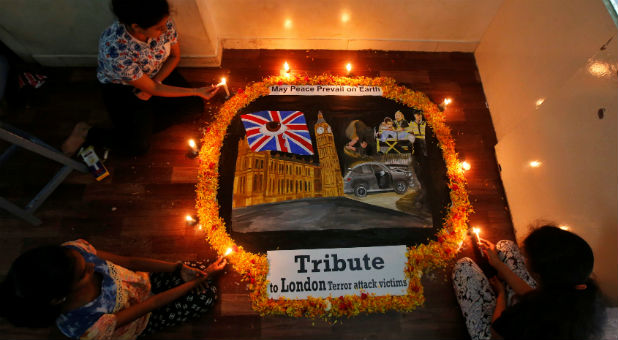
(254, 267)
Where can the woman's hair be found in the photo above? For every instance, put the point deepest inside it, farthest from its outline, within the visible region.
(35, 278)
(559, 257)
(144, 13)
(568, 295)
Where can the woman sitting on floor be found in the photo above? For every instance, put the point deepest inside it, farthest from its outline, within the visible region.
(138, 55)
(555, 299)
(93, 294)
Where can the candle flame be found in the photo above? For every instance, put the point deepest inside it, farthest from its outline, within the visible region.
(349, 67)
(466, 166)
(564, 227)
(477, 231)
(447, 101)
(192, 144)
(223, 81)
(189, 218)
(228, 251)
(286, 67)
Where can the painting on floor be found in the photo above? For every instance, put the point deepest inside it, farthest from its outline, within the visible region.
(331, 163)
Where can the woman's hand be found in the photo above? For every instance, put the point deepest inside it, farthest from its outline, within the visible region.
(218, 265)
(490, 250)
(143, 95)
(189, 273)
(207, 92)
(199, 277)
(520, 286)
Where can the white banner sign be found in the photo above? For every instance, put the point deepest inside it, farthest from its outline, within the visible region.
(297, 274)
(324, 90)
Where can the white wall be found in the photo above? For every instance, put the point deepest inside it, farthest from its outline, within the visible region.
(197, 35)
(54, 32)
(65, 32)
(413, 25)
(551, 49)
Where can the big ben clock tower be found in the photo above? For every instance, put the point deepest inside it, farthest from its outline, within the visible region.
(332, 182)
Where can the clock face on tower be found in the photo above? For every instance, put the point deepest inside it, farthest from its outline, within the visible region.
(329, 130)
(320, 130)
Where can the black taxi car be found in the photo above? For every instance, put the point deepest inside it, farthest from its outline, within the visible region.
(369, 177)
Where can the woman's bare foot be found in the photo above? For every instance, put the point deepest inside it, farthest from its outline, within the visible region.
(76, 139)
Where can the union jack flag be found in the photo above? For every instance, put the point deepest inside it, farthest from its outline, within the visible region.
(278, 131)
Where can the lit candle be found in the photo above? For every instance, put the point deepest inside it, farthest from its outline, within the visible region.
(477, 241)
(477, 231)
(348, 67)
(190, 220)
(465, 165)
(481, 258)
(286, 72)
(445, 103)
(193, 151)
(224, 84)
(227, 252)
(564, 227)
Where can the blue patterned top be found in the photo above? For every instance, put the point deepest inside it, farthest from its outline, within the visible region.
(123, 58)
(75, 323)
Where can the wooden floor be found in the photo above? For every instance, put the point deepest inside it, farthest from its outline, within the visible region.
(140, 209)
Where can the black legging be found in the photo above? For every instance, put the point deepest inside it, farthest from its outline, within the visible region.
(135, 120)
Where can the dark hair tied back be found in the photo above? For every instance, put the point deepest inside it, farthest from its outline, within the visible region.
(568, 304)
(144, 13)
